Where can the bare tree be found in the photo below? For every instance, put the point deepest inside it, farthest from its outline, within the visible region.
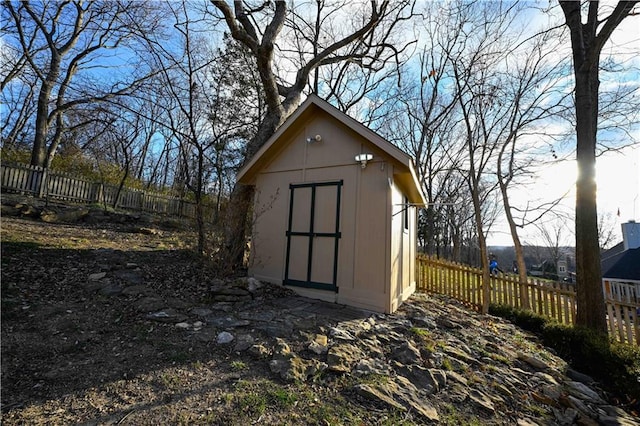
(607, 226)
(529, 90)
(477, 61)
(587, 41)
(201, 90)
(58, 41)
(554, 234)
(364, 42)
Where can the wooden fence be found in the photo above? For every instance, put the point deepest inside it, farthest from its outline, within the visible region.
(43, 183)
(550, 299)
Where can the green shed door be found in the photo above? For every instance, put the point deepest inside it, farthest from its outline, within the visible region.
(313, 233)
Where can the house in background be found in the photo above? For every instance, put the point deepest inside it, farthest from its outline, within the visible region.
(335, 211)
(621, 266)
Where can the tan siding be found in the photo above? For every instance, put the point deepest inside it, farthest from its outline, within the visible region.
(375, 268)
(270, 224)
(347, 217)
(397, 260)
(370, 282)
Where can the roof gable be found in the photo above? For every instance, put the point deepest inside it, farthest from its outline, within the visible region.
(313, 105)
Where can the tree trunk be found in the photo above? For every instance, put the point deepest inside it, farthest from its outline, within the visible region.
(586, 46)
(482, 243)
(39, 150)
(590, 297)
(517, 244)
(241, 200)
(199, 206)
(236, 227)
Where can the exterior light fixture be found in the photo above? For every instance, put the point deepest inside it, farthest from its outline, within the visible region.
(363, 158)
(316, 138)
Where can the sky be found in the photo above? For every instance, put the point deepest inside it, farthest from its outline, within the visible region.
(618, 183)
(617, 173)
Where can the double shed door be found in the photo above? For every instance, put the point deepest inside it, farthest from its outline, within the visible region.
(313, 234)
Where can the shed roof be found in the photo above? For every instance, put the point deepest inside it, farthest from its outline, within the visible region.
(405, 177)
(626, 266)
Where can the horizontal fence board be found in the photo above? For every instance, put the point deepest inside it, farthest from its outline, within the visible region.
(34, 180)
(553, 300)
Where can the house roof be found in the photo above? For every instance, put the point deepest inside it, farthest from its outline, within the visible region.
(405, 177)
(609, 257)
(625, 265)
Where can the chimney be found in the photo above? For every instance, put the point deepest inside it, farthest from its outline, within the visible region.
(631, 235)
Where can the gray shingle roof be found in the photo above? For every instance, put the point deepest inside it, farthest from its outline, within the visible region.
(625, 265)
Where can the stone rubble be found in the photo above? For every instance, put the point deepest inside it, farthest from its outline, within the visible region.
(431, 355)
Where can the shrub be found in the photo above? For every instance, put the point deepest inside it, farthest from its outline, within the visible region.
(525, 319)
(615, 365)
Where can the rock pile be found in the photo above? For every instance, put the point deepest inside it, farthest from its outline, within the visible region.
(429, 359)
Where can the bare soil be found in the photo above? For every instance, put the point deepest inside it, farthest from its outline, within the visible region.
(73, 354)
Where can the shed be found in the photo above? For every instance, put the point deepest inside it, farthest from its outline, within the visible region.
(335, 211)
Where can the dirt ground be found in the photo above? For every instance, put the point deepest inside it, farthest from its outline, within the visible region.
(76, 353)
(74, 356)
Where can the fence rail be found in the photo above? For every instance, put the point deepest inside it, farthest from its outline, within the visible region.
(550, 299)
(44, 183)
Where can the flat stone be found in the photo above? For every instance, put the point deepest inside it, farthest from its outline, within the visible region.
(227, 322)
(167, 316)
(504, 390)
(296, 369)
(548, 378)
(341, 334)
(534, 362)
(439, 376)
(224, 338)
(176, 303)
(260, 316)
(481, 400)
(452, 375)
(617, 421)
(579, 377)
(376, 394)
(579, 405)
(584, 392)
(230, 298)
(371, 366)
(342, 357)
(406, 354)
(97, 276)
(424, 322)
(421, 378)
(243, 342)
(229, 291)
(460, 355)
(447, 323)
(400, 394)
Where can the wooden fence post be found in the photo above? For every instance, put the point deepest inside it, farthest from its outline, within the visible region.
(43, 190)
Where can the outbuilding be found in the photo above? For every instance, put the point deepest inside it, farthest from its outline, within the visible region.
(335, 211)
